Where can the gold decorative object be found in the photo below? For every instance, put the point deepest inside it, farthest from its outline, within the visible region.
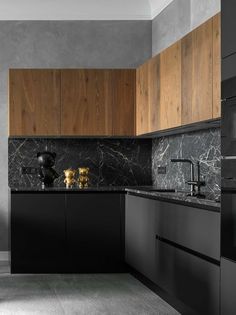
(83, 178)
(69, 177)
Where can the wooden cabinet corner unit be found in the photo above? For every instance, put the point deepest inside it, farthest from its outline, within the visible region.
(72, 102)
(179, 86)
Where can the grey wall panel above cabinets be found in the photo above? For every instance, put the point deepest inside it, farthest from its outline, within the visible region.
(62, 44)
(170, 25)
(179, 18)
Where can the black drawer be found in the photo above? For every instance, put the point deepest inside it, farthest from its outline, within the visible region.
(196, 229)
(192, 280)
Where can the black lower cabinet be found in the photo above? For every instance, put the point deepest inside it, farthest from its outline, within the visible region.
(228, 287)
(95, 232)
(140, 235)
(67, 232)
(191, 279)
(38, 236)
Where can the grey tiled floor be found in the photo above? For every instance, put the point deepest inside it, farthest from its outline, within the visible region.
(85, 294)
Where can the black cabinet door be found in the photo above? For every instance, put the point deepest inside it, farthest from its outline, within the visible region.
(192, 280)
(95, 238)
(140, 235)
(37, 232)
(228, 287)
(228, 13)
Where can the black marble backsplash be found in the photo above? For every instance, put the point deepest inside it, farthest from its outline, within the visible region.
(116, 162)
(203, 146)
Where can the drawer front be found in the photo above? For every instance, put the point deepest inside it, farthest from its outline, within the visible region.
(192, 280)
(194, 228)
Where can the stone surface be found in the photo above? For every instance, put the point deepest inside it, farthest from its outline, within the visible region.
(179, 18)
(83, 294)
(115, 162)
(203, 146)
(62, 44)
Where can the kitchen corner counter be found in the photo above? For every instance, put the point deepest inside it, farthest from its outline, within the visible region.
(143, 191)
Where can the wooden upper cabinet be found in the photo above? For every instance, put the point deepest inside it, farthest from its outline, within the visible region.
(34, 102)
(217, 66)
(142, 99)
(85, 107)
(170, 87)
(197, 74)
(148, 96)
(121, 98)
(97, 102)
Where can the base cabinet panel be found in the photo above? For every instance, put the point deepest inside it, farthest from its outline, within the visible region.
(38, 237)
(140, 234)
(192, 280)
(94, 232)
(228, 287)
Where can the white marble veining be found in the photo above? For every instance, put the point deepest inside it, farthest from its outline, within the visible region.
(203, 146)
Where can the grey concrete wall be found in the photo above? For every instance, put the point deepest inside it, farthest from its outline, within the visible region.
(62, 44)
(178, 19)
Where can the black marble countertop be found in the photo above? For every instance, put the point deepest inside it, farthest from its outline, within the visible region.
(209, 203)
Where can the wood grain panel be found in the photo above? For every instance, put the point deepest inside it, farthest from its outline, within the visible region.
(122, 86)
(217, 66)
(170, 87)
(34, 102)
(142, 99)
(202, 72)
(85, 102)
(154, 94)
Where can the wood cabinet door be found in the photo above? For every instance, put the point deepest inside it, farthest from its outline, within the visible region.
(85, 105)
(142, 100)
(34, 102)
(217, 66)
(121, 98)
(148, 96)
(170, 87)
(197, 74)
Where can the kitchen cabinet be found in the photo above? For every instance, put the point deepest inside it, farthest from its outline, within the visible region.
(98, 102)
(177, 247)
(197, 74)
(34, 102)
(38, 237)
(95, 225)
(193, 228)
(72, 102)
(85, 106)
(228, 286)
(194, 281)
(170, 87)
(217, 66)
(148, 96)
(140, 235)
(228, 9)
(55, 232)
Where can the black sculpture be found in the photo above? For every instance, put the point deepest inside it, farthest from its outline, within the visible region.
(46, 173)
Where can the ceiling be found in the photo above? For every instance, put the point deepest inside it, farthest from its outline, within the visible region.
(81, 9)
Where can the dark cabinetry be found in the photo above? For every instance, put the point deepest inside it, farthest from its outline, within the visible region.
(37, 232)
(140, 234)
(228, 287)
(67, 232)
(192, 280)
(176, 247)
(228, 9)
(94, 224)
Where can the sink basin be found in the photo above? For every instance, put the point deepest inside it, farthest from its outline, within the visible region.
(160, 190)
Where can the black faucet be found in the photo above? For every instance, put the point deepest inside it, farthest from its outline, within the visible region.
(192, 182)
